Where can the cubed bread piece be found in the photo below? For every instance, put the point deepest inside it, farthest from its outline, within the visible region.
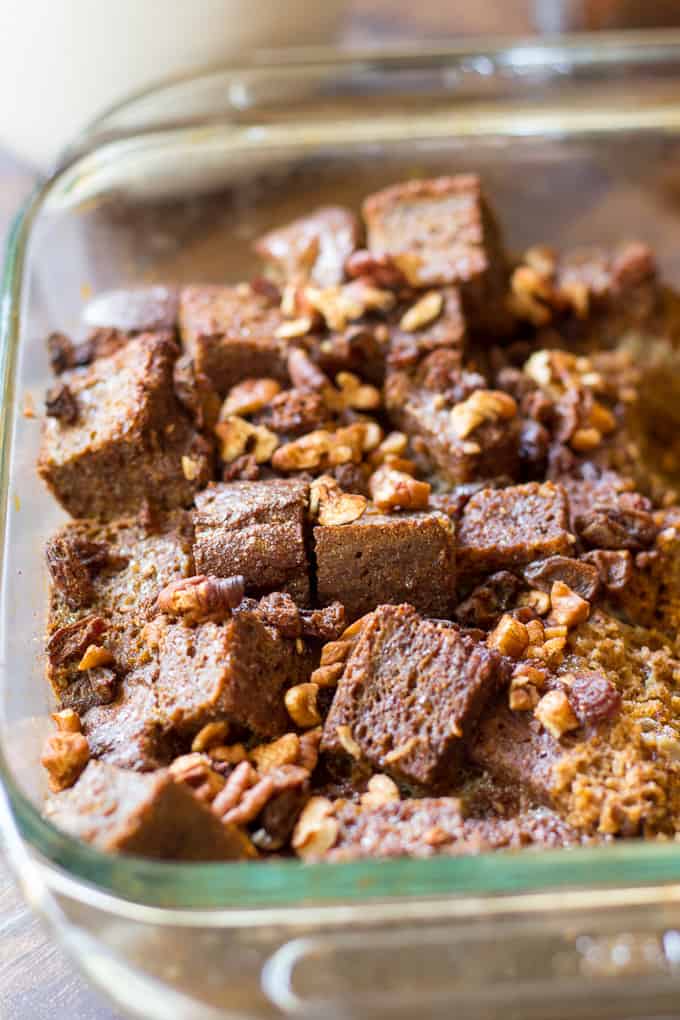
(434, 825)
(383, 558)
(131, 732)
(238, 671)
(505, 528)
(230, 332)
(617, 773)
(446, 231)
(447, 329)
(411, 690)
(650, 595)
(255, 529)
(490, 450)
(313, 248)
(116, 435)
(119, 811)
(104, 582)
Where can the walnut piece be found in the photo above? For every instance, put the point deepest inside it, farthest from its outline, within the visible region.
(202, 598)
(238, 437)
(301, 705)
(481, 406)
(391, 488)
(64, 756)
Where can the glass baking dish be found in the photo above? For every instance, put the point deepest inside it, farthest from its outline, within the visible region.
(577, 141)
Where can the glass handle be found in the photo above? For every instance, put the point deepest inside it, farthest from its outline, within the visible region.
(473, 970)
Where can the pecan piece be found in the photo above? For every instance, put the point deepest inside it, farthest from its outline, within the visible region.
(279, 816)
(61, 403)
(69, 572)
(488, 601)
(304, 374)
(64, 756)
(581, 577)
(202, 598)
(380, 270)
(614, 567)
(593, 697)
(71, 641)
(616, 528)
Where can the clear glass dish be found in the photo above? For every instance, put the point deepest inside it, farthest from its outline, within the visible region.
(577, 142)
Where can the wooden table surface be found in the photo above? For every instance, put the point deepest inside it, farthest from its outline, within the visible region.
(36, 981)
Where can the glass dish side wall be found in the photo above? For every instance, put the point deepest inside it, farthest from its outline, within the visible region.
(180, 200)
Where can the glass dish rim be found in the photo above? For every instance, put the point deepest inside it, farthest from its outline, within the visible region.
(265, 885)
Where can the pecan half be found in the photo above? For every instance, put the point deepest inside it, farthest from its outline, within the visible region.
(391, 488)
(72, 640)
(61, 403)
(581, 577)
(202, 598)
(279, 816)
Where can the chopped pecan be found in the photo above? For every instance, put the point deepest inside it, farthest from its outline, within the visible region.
(614, 567)
(354, 394)
(70, 642)
(249, 396)
(279, 816)
(509, 637)
(568, 608)
(71, 563)
(390, 488)
(617, 528)
(61, 403)
(251, 802)
(202, 598)
(489, 600)
(593, 697)
(295, 412)
(555, 713)
(64, 756)
(578, 575)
